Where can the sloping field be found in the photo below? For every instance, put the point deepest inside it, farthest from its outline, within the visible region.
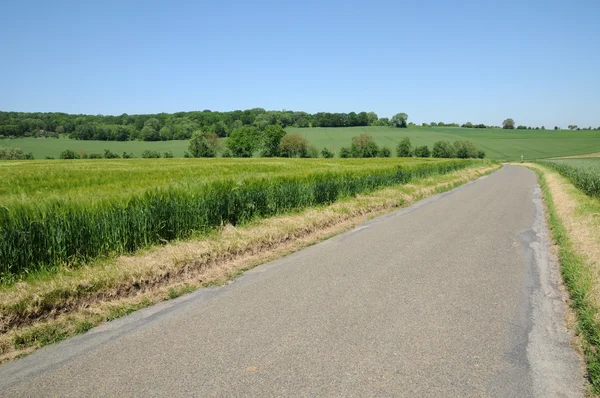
(497, 143)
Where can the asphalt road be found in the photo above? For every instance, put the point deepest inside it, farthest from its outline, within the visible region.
(455, 296)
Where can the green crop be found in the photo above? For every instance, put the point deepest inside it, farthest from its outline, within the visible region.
(69, 212)
(584, 173)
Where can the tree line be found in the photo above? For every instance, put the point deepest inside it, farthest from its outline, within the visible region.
(176, 126)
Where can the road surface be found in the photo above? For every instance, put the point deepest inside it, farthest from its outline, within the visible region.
(454, 296)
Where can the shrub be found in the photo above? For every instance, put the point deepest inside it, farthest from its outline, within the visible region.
(293, 146)
(226, 153)
(443, 149)
(480, 154)
(404, 148)
(149, 154)
(327, 154)
(363, 146)
(14, 154)
(110, 155)
(272, 136)
(203, 144)
(69, 154)
(95, 156)
(422, 151)
(384, 152)
(244, 141)
(344, 152)
(465, 149)
(128, 155)
(168, 155)
(49, 157)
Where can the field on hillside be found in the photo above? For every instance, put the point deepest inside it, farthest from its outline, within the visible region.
(67, 212)
(497, 143)
(584, 173)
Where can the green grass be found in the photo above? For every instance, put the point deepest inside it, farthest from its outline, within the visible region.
(579, 279)
(584, 173)
(497, 143)
(70, 212)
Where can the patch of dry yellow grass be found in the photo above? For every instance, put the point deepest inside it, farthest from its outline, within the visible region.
(63, 302)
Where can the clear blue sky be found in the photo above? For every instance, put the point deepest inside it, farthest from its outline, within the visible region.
(537, 61)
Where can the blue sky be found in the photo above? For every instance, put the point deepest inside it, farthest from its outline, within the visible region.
(453, 61)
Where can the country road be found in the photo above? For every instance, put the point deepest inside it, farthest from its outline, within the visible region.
(454, 296)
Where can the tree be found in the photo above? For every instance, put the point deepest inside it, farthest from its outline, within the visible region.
(151, 129)
(244, 141)
(327, 153)
(364, 146)
(384, 152)
(372, 118)
(404, 148)
(69, 154)
(468, 125)
(508, 124)
(203, 144)
(399, 120)
(271, 139)
(433, 124)
(443, 149)
(465, 149)
(422, 151)
(572, 126)
(293, 146)
(344, 152)
(556, 128)
(521, 127)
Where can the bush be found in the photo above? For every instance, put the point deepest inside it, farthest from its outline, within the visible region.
(422, 151)
(272, 136)
(443, 149)
(345, 153)
(226, 153)
(465, 149)
(95, 156)
(327, 154)
(128, 155)
(148, 154)
(384, 152)
(186, 155)
(49, 157)
(480, 154)
(203, 144)
(14, 154)
(293, 146)
(244, 141)
(363, 146)
(110, 155)
(168, 155)
(69, 154)
(404, 148)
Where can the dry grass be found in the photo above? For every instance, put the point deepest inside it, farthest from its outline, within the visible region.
(47, 309)
(589, 155)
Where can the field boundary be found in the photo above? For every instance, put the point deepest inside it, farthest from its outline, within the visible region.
(578, 252)
(48, 310)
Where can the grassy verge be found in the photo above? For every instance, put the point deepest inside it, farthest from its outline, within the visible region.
(46, 308)
(574, 219)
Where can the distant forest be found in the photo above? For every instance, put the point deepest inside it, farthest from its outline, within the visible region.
(175, 126)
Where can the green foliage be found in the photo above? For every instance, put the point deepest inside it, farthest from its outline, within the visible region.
(14, 154)
(404, 148)
(464, 149)
(422, 151)
(110, 155)
(399, 120)
(327, 153)
(480, 154)
(203, 144)
(272, 136)
(244, 141)
(149, 154)
(583, 173)
(226, 153)
(69, 154)
(508, 124)
(363, 146)
(312, 152)
(128, 155)
(168, 155)
(58, 228)
(94, 156)
(384, 152)
(293, 146)
(443, 149)
(345, 153)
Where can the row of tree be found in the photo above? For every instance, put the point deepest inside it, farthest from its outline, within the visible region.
(178, 126)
